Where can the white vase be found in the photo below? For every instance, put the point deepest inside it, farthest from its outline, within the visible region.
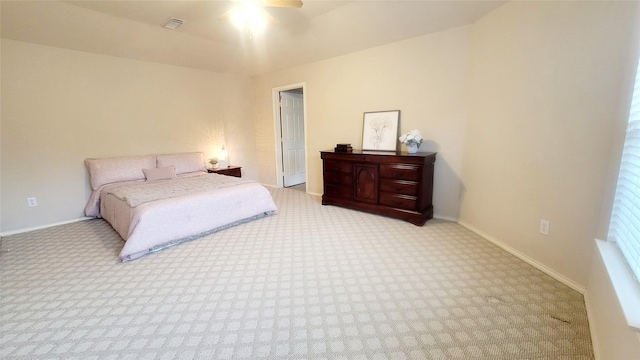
(412, 148)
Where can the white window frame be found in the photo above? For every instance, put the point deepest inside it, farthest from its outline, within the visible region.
(624, 227)
(623, 261)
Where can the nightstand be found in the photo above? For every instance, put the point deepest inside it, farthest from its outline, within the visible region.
(229, 170)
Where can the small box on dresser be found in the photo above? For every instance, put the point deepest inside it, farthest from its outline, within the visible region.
(394, 184)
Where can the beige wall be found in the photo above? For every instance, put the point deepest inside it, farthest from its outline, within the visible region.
(60, 107)
(550, 89)
(546, 89)
(424, 78)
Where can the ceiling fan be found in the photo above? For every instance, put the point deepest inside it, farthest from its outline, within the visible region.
(282, 3)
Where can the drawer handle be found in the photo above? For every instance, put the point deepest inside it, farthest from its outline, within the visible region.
(335, 168)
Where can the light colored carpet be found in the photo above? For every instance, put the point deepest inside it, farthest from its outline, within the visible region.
(300, 187)
(313, 282)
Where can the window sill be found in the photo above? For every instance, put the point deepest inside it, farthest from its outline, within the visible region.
(626, 287)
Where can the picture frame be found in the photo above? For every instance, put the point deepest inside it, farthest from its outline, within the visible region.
(380, 130)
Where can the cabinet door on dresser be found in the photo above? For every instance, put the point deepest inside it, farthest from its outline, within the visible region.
(366, 179)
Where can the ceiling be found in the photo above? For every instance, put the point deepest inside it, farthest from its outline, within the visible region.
(321, 29)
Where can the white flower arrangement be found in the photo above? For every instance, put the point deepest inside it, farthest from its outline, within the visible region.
(412, 137)
(214, 162)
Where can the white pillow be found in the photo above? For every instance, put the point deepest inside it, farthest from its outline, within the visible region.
(184, 163)
(111, 170)
(162, 173)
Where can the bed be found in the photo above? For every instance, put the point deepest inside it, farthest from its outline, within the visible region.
(157, 201)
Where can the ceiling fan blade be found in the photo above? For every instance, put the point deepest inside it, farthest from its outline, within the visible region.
(282, 3)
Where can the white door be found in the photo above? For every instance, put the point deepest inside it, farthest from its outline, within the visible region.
(292, 127)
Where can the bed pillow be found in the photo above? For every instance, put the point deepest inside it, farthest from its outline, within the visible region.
(111, 170)
(162, 173)
(184, 163)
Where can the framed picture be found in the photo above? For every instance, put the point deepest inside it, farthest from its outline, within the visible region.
(380, 130)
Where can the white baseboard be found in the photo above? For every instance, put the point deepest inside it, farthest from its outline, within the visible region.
(538, 265)
(24, 230)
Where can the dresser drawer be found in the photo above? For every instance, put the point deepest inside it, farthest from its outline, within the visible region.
(400, 171)
(399, 186)
(398, 201)
(338, 179)
(338, 191)
(337, 166)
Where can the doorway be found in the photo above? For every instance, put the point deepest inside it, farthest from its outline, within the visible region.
(290, 126)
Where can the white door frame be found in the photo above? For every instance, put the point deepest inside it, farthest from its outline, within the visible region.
(277, 131)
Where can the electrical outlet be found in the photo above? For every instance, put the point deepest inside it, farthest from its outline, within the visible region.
(544, 227)
(32, 201)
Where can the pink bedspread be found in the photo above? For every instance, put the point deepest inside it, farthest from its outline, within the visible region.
(170, 211)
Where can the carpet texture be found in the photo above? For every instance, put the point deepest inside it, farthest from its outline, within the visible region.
(312, 282)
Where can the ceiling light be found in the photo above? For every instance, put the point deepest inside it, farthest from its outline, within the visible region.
(248, 16)
(172, 23)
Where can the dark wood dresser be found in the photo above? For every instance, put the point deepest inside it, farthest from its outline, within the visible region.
(394, 184)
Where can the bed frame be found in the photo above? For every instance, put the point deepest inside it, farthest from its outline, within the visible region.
(154, 225)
